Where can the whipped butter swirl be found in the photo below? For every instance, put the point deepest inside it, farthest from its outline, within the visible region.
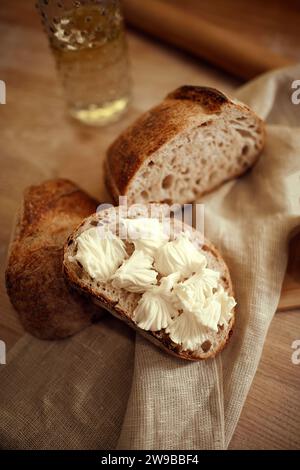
(99, 255)
(136, 274)
(155, 310)
(145, 233)
(187, 331)
(180, 256)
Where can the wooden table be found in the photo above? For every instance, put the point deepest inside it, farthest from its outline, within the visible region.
(38, 141)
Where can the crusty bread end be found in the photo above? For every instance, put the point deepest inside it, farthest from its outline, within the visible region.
(46, 305)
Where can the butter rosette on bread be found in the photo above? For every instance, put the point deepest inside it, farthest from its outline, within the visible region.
(193, 141)
(156, 274)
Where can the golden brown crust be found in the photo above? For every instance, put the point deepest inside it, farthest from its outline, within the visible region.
(110, 185)
(59, 195)
(210, 99)
(160, 339)
(34, 279)
(154, 128)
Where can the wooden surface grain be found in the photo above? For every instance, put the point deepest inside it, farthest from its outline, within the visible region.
(271, 416)
(190, 30)
(39, 141)
(274, 24)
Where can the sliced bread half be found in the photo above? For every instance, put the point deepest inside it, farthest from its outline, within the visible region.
(122, 303)
(188, 145)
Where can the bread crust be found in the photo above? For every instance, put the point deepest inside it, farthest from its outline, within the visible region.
(35, 284)
(160, 339)
(158, 126)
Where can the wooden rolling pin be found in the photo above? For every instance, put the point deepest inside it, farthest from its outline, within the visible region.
(223, 48)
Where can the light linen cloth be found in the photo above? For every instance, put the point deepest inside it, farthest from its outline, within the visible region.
(106, 389)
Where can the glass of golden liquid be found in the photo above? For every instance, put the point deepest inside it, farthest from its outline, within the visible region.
(88, 40)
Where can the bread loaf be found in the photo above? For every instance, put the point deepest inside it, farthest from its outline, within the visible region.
(188, 145)
(34, 279)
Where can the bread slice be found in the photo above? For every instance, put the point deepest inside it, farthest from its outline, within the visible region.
(188, 145)
(122, 303)
(34, 278)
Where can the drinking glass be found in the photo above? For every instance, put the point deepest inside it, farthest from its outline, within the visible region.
(88, 41)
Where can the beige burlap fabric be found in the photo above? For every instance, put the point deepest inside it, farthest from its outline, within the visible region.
(104, 389)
